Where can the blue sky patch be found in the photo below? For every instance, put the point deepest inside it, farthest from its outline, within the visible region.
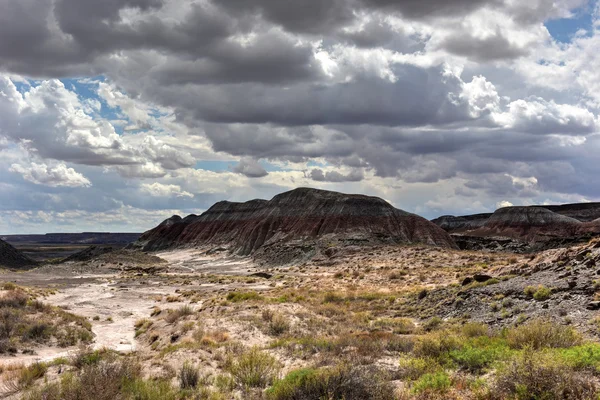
(563, 30)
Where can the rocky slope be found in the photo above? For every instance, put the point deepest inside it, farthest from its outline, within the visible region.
(13, 258)
(299, 218)
(567, 275)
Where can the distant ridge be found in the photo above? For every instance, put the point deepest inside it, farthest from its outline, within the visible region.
(531, 223)
(300, 215)
(13, 258)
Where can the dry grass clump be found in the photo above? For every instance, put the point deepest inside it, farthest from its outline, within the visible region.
(536, 375)
(539, 334)
(174, 315)
(278, 325)
(188, 376)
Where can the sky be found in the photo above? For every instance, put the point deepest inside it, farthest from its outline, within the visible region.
(117, 114)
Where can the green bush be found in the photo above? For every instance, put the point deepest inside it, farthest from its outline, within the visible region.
(339, 382)
(438, 382)
(539, 292)
(254, 369)
(412, 368)
(437, 345)
(140, 389)
(480, 353)
(584, 357)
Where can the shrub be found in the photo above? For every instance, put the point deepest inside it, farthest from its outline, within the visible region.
(412, 368)
(473, 329)
(8, 322)
(539, 334)
(438, 382)
(401, 326)
(188, 376)
(480, 353)
(30, 374)
(278, 325)
(14, 298)
(535, 375)
(433, 324)
(182, 311)
(332, 298)
(584, 357)
(539, 292)
(339, 382)
(38, 331)
(543, 293)
(139, 389)
(236, 297)
(254, 369)
(437, 345)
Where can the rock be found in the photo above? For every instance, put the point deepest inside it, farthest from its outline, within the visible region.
(262, 275)
(593, 305)
(482, 277)
(572, 284)
(468, 280)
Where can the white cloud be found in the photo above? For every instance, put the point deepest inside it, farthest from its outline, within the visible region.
(504, 203)
(58, 175)
(160, 190)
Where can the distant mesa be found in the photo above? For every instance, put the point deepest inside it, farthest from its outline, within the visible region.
(301, 218)
(12, 258)
(75, 238)
(532, 223)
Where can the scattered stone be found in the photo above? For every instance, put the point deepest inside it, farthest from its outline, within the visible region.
(482, 278)
(593, 305)
(262, 275)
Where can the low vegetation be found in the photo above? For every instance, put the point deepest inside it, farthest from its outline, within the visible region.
(26, 322)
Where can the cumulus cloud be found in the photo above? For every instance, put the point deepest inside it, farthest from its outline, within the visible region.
(319, 175)
(160, 190)
(250, 167)
(58, 175)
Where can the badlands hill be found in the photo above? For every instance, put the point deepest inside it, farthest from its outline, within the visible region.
(302, 216)
(13, 258)
(533, 223)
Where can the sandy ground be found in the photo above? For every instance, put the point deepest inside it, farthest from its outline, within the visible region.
(113, 304)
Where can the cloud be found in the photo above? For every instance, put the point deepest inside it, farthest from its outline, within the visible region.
(250, 168)
(160, 190)
(59, 175)
(334, 176)
(462, 103)
(503, 204)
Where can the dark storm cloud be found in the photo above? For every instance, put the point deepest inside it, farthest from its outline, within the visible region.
(496, 47)
(419, 9)
(418, 97)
